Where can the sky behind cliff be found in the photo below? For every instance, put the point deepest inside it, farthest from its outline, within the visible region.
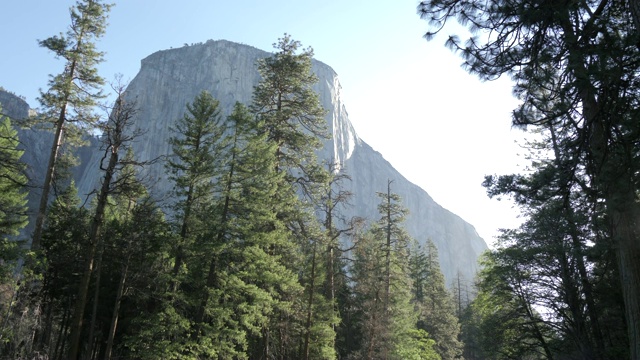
(408, 98)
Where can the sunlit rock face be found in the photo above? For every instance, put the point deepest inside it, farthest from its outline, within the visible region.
(169, 79)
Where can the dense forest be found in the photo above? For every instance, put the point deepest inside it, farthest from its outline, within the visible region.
(250, 258)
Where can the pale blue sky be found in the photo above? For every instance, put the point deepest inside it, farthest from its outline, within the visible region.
(408, 98)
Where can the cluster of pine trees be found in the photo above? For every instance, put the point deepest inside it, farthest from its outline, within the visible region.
(566, 283)
(248, 257)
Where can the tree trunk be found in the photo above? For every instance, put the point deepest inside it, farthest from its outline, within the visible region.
(81, 300)
(184, 231)
(387, 286)
(307, 335)
(48, 178)
(587, 289)
(96, 300)
(116, 310)
(212, 276)
(60, 341)
(614, 179)
(626, 234)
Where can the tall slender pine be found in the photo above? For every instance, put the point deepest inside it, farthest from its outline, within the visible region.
(72, 94)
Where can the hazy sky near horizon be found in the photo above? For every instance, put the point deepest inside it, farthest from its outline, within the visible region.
(409, 99)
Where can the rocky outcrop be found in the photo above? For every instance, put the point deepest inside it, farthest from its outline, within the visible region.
(169, 79)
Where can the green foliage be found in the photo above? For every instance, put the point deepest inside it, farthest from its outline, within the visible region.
(291, 112)
(73, 93)
(575, 69)
(436, 305)
(195, 146)
(419, 346)
(13, 216)
(194, 165)
(68, 104)
(385, 316)
(501, 318)
(292, 118)
(243, 278)
(244, 269)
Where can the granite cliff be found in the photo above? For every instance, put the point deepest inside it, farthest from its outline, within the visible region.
(169, 79)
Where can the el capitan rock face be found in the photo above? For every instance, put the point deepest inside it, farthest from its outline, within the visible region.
(169, 79)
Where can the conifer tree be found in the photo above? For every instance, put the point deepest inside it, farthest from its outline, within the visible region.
(137, 221)
(72, 94)
(368, 297)
(502, 317)
(118, 135)
(318, 334)
(574, 65)
(64, 243)
(293, 119)
(336, 228)
(13, 201)
(436, 304)
(173, 328)
(382, 289)
(291, 112)
(240, 273)
(193, 166)
(13, 218)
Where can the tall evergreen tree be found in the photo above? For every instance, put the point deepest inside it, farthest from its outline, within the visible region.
(13, 216)
(72, 94)
(241, 274)
(64, 244)
(382, 290)
(575, 67)
(554, 243)
(293, 119)
(337, 228)
(291, 111)
(193, 167)
(119, 133)
(132, 204)
(437, 311)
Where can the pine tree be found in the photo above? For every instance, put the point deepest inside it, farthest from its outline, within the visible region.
(293, 121)
(173, 329)
(335, 288)
(318, 335)
(437, 316)
(118, 135)
(72, 94)
(291, 112)
(64, 243)
(382, 289)
(504, 322)
(554, 244)
(137, 221)
(193, 166)
(13, 216)
(556, 55)
(241, 274)
(368, 296)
